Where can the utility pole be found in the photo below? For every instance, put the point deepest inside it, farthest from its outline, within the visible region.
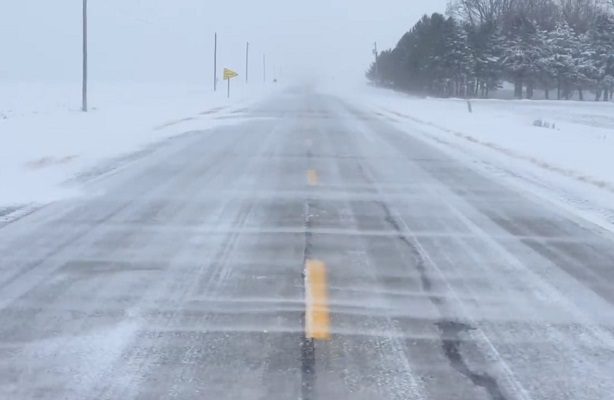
(247, 63)
(264, 67)
(84, 86)
(376, 54)
(215, 64)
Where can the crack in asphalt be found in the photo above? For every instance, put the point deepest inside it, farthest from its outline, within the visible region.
(450, 331)
(451, 337)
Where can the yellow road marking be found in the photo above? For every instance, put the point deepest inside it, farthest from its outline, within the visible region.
(317, 313)
(312, 177)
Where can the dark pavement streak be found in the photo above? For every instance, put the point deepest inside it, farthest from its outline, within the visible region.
(180, 276)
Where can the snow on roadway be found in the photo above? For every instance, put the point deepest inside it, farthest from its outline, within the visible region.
(570, 165)
(46, 140)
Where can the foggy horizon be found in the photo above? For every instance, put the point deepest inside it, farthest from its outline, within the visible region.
(157, 40)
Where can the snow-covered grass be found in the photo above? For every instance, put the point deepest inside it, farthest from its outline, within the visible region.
(571, 165)
(45, 139)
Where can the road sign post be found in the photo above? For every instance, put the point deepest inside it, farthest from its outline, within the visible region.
(215, 63)
(228, 75)
(247, 63)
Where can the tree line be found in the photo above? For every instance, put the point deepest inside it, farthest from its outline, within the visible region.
(563, 47)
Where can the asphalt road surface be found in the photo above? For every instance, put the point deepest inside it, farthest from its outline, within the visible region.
(310, 251)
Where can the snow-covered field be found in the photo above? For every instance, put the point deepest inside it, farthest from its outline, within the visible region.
(45, 140)
(570, 165)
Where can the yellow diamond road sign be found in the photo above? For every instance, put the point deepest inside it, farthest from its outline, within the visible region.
(229, 74)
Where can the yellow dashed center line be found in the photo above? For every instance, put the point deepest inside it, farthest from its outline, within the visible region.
(317, 313)
(312, 177)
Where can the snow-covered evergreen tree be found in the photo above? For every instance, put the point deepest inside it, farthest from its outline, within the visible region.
(588, 72)
(522, 56)
(602, 41)
(486, 44)
(457, 60)
(550, 45)
(563, 46)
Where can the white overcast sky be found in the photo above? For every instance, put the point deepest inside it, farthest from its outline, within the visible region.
(171, 40)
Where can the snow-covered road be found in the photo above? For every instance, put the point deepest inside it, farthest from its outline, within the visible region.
(312, 251)
(569, 164)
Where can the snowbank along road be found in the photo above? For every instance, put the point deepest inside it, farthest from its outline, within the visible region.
(311, 252)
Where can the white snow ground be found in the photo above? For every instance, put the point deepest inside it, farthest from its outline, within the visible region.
(45, 140)
(570, 165)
